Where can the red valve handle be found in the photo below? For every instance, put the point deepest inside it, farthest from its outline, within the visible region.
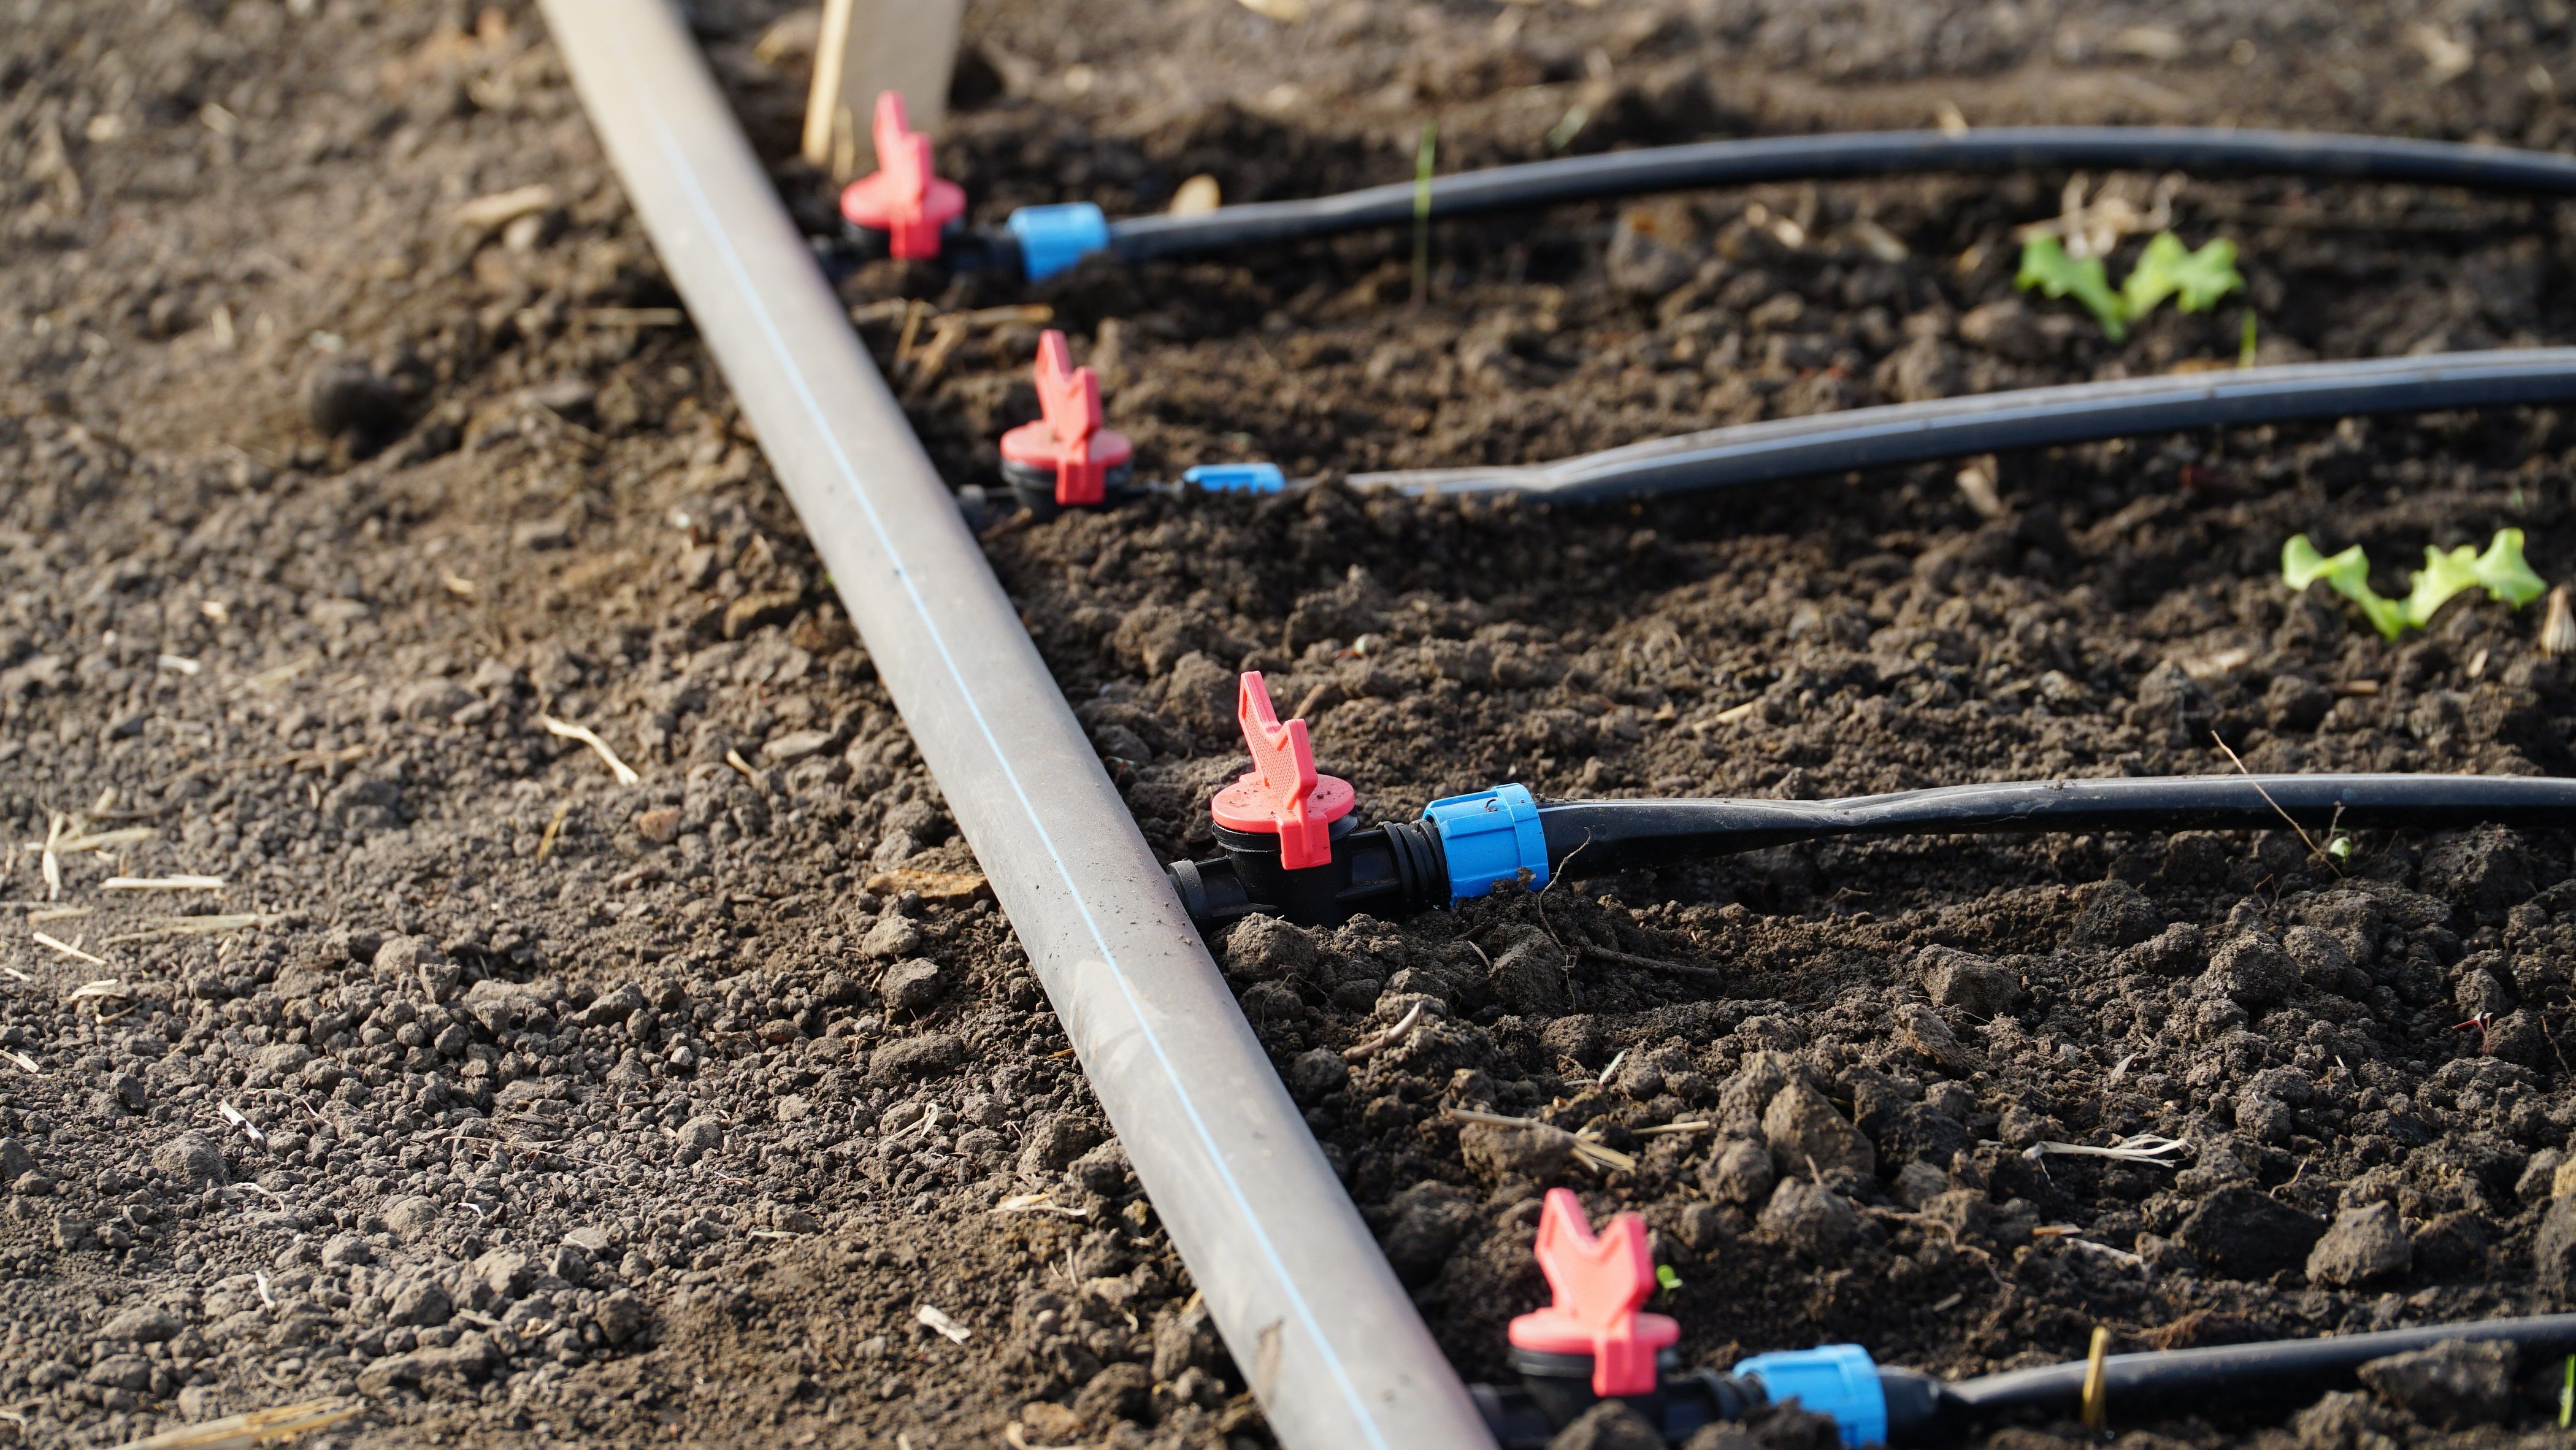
(1600, 1282)
(1068, 396)
(903, 154)
(904, 197)
(1068, 439)
(1282, 795)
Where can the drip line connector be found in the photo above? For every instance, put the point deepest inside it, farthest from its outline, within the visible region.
(1596, 1342)
(1052, 239)
(1293, 846)
(1065, 459)
(1293, 849)
(1489, 837)
(1476, 843)
(903, 201)
(1281, 795)
(1236, 478)
(1601, 1284)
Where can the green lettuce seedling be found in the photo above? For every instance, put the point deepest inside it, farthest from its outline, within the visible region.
(2046, 266)
(2195, 279)
(2167, 269)
(2500, 571)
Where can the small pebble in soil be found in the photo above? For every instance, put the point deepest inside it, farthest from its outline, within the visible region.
(2365, 1243)
(911, 986)
(1809, 1217)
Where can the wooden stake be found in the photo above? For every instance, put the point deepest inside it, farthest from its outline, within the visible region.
(868, 46)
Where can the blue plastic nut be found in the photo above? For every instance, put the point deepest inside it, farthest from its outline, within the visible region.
(1489, 836)
(1053, 238)
(1236, 477)
(1832, 1379)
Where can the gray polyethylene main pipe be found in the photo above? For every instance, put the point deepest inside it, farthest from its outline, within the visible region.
(1316, 1320)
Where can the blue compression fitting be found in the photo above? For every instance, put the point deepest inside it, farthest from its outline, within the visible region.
(1490, 836)
(1236, 477)
(1832, 1379)
(1053, 238)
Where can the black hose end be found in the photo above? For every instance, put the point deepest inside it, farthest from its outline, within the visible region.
(1919, 1407)
(987, 249)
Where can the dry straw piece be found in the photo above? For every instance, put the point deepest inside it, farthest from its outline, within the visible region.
(193, 926)
(2138, 1148)
(2097, 1407)
(1589, 1150)
(625, 773)
(67, 949)
(100, 841)
(937, 1318)
(1361, 1052)
(271, 1426)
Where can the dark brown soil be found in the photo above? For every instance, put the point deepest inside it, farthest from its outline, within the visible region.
(614, 1113)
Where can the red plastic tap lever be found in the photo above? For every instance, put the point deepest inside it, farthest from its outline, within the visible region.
(1282, 795)
(1068, 438)
(904, 198)
(1599, 1284)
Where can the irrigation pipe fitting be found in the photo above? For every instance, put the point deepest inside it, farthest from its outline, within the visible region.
(1468, 845)
(1595, 1343)
(1305, 1300)
(1874, 1405)
(1904, 433)
(1065, 459)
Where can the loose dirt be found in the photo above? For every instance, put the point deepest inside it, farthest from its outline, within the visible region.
(522, 1103)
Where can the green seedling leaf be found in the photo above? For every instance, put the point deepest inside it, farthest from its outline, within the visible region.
(2348, 574)
(2503, 574)
(2046, 266)
(1665, 1277)
(2168, 269)
(2500, 571)
(2302, 565)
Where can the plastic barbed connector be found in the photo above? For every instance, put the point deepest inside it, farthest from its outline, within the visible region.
(1054, 238)
(904, 197)
(1840, 1380)
(1600, 1284)
(1282, 795)
(1492, 835)
(1236, 477)
(1068, 440)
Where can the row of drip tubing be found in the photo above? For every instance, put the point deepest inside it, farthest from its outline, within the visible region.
(1290, 840)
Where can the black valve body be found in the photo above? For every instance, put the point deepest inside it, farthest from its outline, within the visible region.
(1387, 870)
